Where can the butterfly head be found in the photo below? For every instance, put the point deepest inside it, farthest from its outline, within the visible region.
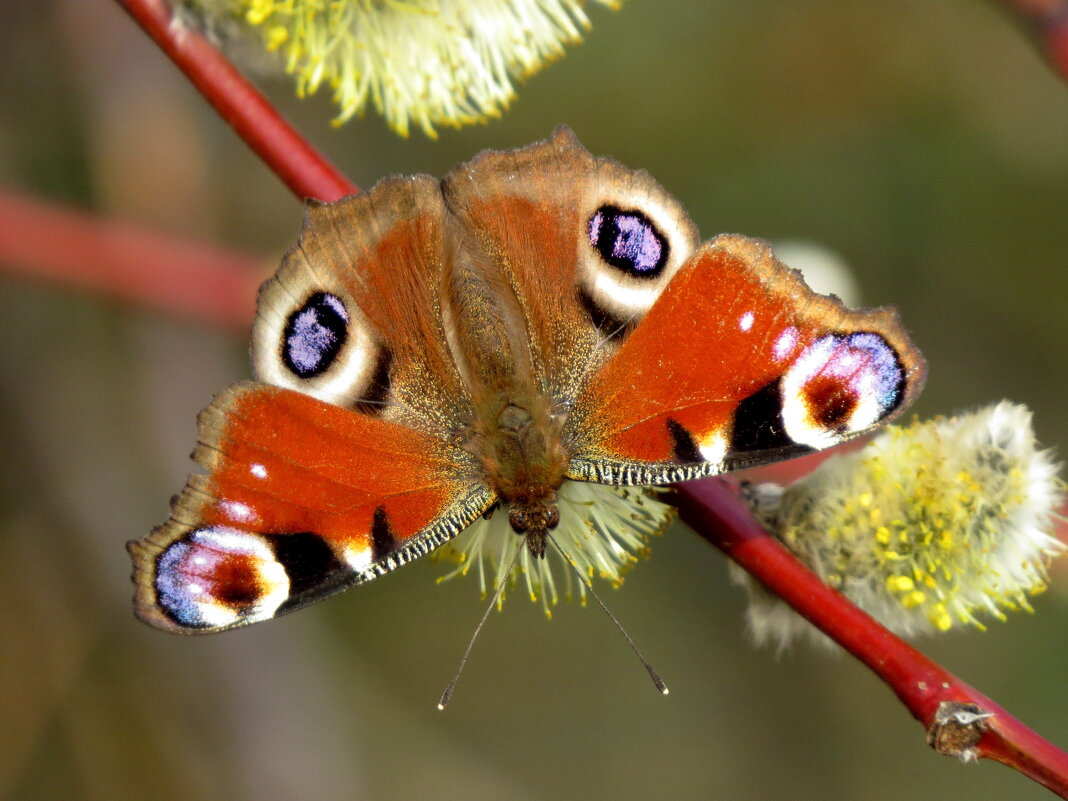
(534, 520)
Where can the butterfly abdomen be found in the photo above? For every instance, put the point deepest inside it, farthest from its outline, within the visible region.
(524, 462)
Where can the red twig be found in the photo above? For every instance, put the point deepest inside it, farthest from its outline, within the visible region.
(303, 169)
(1048, 19)
(950, 709)
(45, 242)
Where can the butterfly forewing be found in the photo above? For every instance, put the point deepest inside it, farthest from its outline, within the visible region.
(370, 266)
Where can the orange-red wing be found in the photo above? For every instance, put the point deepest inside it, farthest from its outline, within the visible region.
(302, 499)
(739, 363)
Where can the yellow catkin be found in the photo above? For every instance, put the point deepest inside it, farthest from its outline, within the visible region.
(930, 526)
(420, 63)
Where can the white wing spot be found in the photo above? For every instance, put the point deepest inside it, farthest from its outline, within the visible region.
(785, 344)
(237, 511)
(713, 448)
(357, 557)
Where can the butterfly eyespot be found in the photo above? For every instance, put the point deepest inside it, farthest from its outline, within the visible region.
(629, 256)
(320, 345)
(629, 241)
(314, 334)
(217, 576)
(839, 385)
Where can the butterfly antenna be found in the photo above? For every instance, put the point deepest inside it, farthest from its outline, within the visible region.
(445, 696)
(659, 682)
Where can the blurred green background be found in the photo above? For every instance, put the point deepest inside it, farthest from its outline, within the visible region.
(925, 142)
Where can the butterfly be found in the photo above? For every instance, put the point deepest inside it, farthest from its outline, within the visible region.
(433, 350)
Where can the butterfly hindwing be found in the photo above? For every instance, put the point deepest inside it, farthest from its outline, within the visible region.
(302, 499)
(739, 363)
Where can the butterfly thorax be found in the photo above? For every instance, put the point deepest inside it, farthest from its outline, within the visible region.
(524, 462)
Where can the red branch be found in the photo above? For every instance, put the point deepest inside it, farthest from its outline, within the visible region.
(45, 242)
(303, 168)
(714, 510)
(1048, 19)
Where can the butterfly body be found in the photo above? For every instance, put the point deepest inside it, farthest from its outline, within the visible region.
(516, 434)
(431, 350)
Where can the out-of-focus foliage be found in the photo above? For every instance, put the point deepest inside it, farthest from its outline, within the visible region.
(925, 143)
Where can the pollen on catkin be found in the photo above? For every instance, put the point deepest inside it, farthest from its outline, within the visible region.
(421, 63)
(602, 530)
(931, 526)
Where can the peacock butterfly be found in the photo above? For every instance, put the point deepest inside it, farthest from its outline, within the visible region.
(431, 349)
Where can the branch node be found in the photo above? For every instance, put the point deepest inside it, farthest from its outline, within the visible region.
(957, 729)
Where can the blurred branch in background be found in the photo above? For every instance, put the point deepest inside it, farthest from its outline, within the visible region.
(168, 274)
(1048, 22)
